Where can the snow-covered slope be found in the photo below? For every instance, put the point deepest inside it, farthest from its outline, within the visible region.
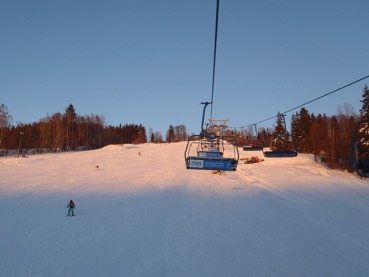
(146, 215)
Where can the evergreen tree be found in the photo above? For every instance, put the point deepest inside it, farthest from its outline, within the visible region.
(300, 128)
(305, 126)
(264, 136)
(364, 128)
(70, 118)
(364, 111)
(280, 141)
(170, 137)
(141, 131)
(296, 131)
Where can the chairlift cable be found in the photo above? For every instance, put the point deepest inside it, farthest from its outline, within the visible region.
(333, 91)
(214, 61)
(212, 158)
(315, 99)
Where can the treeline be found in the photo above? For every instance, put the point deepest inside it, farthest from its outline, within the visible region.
(71, 132)
(328, 138)
(64, 132)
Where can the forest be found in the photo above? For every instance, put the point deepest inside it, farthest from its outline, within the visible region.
(328, 138)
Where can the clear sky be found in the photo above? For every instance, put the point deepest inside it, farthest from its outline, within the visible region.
(150, 61)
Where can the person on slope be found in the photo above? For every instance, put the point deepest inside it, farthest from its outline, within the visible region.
(71, 207)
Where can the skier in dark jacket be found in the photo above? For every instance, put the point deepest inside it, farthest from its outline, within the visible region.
(71, 207)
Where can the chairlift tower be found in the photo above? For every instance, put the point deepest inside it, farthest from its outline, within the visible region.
(218, 126)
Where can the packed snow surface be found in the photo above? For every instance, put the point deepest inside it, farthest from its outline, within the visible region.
(142, 213)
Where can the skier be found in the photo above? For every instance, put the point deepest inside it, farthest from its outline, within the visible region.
(71, 207)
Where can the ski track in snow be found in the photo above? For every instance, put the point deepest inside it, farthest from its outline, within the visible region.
(146, 215)
(273, 189)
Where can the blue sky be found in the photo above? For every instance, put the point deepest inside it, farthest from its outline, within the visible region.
(150, 62)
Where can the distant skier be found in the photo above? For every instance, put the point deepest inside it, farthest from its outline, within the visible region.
(71, 207)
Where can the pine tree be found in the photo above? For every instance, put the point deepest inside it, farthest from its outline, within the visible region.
(305, 127)
(70, 117)
(264, 136)
(280, 141)
(364, 112)
(142, 134)
(295, 131)
(364, 128)
(170, 134)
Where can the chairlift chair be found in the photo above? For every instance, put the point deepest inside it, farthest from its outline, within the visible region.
(212, 160)
(217, 145)
(206, 150)
(254, 146)
(280, 154)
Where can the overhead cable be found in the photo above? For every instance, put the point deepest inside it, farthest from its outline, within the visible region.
(214, 61)
(315, 99)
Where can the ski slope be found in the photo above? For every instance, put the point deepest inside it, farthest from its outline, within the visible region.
(146, 215)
